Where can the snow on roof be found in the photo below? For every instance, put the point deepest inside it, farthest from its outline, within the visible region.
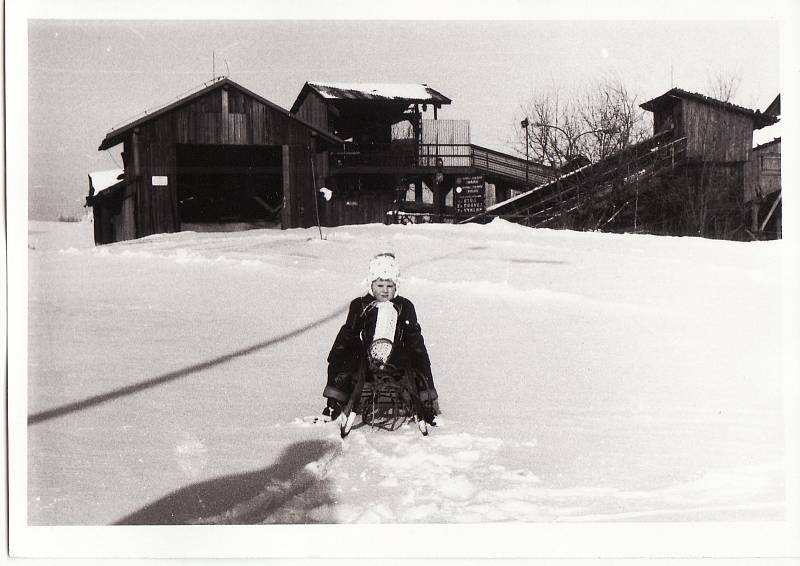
(103, 179)
(766, 135)
(395, 91)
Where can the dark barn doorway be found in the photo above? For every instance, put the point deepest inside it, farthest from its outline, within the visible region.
(219, 184)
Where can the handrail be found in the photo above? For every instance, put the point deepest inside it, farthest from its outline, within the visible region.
(539, 201)
(402, 153)
(510, 166)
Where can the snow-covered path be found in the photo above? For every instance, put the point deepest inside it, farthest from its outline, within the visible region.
(583, 377)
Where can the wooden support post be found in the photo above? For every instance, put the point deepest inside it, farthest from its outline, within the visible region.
(225, 123)
(287, 216)
(142, 201)
(771, 210)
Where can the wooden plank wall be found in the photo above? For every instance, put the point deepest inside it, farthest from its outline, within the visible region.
(763, 171)
(302, 212)
(445, 131)
(447, 139)
(716, 134)
(125, 223)
(314, 111)
(248, 121)
(157, 208)
(352, 204)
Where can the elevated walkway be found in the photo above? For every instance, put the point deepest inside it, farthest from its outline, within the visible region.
(463, 158)
(493, 163)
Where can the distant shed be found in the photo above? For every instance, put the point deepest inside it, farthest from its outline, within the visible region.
(715, 131)
(110, 199)
(220, 155)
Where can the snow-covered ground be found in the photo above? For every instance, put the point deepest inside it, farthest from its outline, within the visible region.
(582, 376)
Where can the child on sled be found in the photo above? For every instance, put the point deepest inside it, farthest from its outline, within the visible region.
(381, 333)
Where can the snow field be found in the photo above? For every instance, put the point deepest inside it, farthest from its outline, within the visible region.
(583, 377)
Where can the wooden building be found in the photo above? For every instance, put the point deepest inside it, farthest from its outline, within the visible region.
(222, 155)
(763, 188)
(715, 131)
(398, 163)
(719, 141)
(688, 179)
(108, 192)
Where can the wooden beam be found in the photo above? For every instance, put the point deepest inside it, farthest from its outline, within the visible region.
(771, 210)
(399, 170)
(225, 125)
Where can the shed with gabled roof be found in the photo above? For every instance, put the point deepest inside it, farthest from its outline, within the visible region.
(364, 110)
(715, 131)
(220, 155)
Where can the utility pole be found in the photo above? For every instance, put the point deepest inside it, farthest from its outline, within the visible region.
(525, 125)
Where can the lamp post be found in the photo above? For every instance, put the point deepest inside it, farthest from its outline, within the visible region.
(525, 125)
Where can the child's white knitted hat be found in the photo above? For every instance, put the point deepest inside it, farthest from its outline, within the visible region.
(384, 266)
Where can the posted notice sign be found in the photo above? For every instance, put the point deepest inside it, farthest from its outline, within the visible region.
(470, 195)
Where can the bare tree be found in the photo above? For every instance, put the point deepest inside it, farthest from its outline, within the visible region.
(638, 181)
(611, 113)
(546, 145)
(567, 132)
(602, 120)
(723, 85)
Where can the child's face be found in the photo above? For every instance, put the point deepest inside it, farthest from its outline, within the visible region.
(383, 289)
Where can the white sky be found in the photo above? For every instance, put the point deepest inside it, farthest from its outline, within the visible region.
(85, 77)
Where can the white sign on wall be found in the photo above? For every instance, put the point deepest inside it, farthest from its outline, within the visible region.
(160, 180)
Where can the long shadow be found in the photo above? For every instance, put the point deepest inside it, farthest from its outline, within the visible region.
(173, 375)
(89, 402)
(246, 498)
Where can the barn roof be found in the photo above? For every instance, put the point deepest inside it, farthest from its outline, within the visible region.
(117, 135)
(409, 93)
(101, 180)
(774, 108)
(766, 144)
(759, 120)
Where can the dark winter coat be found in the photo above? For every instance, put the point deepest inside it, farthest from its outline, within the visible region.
(354, 338)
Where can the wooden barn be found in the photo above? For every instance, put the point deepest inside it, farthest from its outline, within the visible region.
(220, 158)
(399, 163)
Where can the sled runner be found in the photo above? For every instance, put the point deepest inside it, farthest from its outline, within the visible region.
(387, 397)
(378, 366)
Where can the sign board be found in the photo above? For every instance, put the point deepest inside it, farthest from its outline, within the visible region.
(470, 195)
(160, 180)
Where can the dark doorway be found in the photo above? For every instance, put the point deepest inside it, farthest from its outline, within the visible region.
(229, 183)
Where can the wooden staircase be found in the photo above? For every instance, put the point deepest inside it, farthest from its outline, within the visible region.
(590, 185)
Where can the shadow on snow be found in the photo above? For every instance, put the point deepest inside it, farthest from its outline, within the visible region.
(173, 375)
(89, 402)
(246, 498)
